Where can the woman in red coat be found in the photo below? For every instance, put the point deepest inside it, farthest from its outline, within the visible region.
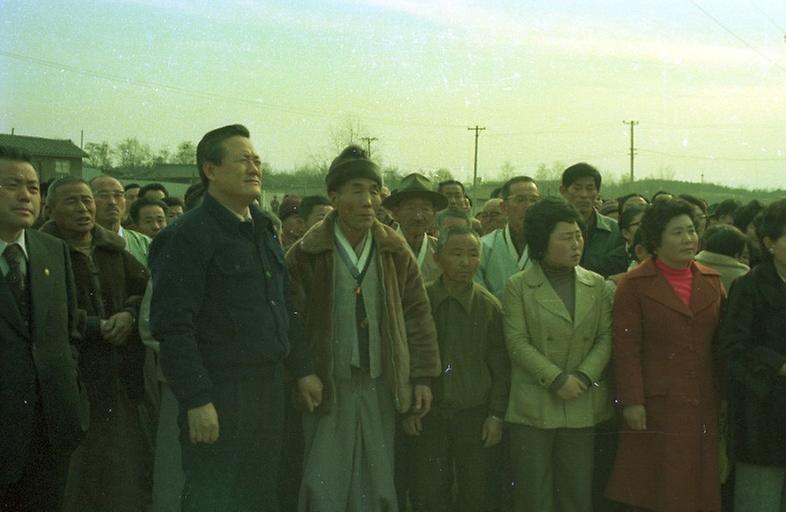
(666, 312)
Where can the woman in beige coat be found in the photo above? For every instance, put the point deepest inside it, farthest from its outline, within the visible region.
(558, 333)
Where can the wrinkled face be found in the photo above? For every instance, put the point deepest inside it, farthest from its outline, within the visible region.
(74, 209)
(459, 259)
(110, 201)
(455, 196)
(566, 244)
(582, 194)
(318, 213)
(173, 212)
(523, 194)
(678, 242)
(415, 215)
(492, 217)
(20, 196)
(356, 202)
(239, 176)
(152, 219)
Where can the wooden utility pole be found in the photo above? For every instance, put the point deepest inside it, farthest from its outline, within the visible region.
(477, 129)
(632, 124)
(368, 140)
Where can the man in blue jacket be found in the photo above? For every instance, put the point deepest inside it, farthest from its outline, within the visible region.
(220, 309)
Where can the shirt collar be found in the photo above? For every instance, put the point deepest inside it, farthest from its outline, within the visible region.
(521, 261)
(19, 241)
(358, 261)
(228, 218)
(439, 294)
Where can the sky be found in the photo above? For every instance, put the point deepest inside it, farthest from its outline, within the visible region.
(550, 81)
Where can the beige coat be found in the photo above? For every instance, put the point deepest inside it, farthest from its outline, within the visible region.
(543, 342)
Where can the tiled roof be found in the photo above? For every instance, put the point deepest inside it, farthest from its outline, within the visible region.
(38, 146)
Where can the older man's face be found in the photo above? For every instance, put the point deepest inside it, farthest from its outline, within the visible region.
(110, 202)
(74, 209)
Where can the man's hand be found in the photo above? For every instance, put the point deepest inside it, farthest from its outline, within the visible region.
(203, 424)
(117, 327)
(492, 432)
(635, 416)
(310, 391)
(423, 399)
(572, 389)
(412, 425)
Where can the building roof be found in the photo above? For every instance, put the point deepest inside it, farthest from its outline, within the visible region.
(173, 171)
(38, 146)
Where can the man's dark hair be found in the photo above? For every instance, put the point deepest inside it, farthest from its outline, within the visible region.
(496, 193)
(504, 192)
(542, 217)
(701, 203)
(655, 219)
(578, 171)
(51, 192)
(16, 155)
(308, 204)
(211, 147)
(130, 186)
(744, 215)
(171, 201)
(193, 195)
(772, 225)
(661, 193)
(142, 202)
(630, 213)
(724, 239)
(727, 207)
(447, 183)
(153, 186)
(456, 229)
(451, 212)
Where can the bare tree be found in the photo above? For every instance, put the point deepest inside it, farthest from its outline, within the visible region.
(133, 154)
(185, 153)
(100, 155)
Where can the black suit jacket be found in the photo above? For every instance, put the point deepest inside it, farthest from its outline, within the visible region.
(38, 369)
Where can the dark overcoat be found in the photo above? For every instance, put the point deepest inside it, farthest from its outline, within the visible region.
(753, 342)
(663, 358)
(42, 357)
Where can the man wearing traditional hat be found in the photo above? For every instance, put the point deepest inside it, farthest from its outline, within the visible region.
(414, 205)
(353, 279)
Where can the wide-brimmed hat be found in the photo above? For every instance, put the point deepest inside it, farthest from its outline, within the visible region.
(416, 185)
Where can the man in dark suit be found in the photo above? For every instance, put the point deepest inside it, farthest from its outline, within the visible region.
(43, 409)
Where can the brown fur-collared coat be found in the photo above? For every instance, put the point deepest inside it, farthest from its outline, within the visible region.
(410, 353)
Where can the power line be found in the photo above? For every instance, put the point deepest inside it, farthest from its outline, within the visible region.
(156, 86)
(477, 129)
(735, 36)
(716, 158)
(777, 26)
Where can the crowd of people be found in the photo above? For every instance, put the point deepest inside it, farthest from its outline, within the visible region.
(380, 350)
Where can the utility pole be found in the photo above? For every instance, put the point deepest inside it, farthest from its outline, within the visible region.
(82, 140)
(477, 129)
(368, 140)
(632, 149)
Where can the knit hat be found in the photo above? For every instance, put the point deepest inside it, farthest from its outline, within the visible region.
(415, 185)
(289, 206)
(350, 164)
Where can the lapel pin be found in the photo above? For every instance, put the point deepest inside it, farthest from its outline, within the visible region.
(46, 272)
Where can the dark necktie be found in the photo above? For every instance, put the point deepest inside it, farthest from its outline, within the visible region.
(17, 281)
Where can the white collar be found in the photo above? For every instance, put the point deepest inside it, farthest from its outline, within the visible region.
(358, 261)
(20, 241)
(521, 261)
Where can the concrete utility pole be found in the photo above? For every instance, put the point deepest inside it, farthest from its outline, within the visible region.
(368, 140)
(632, 149)
(477, 129)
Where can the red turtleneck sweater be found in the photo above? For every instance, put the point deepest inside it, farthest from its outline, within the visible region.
(680, 279)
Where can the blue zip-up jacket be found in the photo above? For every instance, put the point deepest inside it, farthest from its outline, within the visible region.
(220, 304)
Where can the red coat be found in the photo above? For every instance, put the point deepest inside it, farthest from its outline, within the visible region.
(663, 357)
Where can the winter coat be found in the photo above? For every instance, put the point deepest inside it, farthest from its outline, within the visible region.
(410, 354)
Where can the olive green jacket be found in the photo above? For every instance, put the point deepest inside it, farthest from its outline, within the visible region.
(543, 342)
